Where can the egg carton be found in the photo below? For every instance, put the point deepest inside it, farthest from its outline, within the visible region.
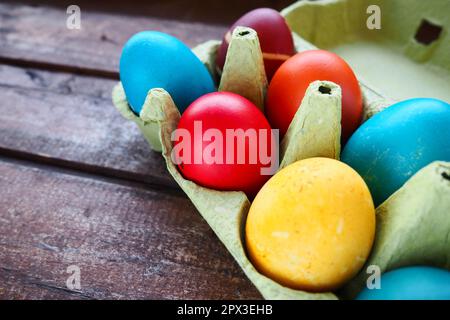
(412, 225)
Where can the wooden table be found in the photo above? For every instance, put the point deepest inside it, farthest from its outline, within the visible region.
(79, 185)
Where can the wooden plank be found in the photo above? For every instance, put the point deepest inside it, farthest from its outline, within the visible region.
(128, 241)
(69, 120)
(221, 12)
(38, 34)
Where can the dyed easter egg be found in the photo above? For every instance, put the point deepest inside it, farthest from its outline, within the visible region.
(274, 35)
(312, 225)
(152, 59)
(289, 84)
(411, 283)
(218, 143)
(394, 144)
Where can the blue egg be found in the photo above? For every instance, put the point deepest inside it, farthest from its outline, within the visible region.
(394, 144)
(411, 283)
(152, 59)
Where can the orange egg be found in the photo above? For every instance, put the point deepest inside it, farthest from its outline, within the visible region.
(289, 84)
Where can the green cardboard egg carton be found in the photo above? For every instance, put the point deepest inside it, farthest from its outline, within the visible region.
(399, 49)
(413, 224)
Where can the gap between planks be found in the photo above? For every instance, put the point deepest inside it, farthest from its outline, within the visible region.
(54, 67)
(37, 36)
(69, 121)
(128, 242)
(33, 161)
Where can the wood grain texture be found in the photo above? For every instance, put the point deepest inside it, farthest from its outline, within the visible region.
(38, 35)
(69, 120)
(84, 195)
(129, 241)
(204, 11)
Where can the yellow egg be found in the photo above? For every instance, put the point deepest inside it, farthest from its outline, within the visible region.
(312, 225)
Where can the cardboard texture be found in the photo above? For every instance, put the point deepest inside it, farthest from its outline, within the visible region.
(413, 224)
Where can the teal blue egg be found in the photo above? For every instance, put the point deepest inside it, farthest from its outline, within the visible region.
(411, 283)
(152, 59)
(394, 144)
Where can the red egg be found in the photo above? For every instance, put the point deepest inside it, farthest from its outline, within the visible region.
(289, 84)
(214, 122)
(274, 35)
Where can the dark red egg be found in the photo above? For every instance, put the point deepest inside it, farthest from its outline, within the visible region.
(274, 35)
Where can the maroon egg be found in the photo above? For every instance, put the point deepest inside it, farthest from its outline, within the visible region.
(274, 36)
